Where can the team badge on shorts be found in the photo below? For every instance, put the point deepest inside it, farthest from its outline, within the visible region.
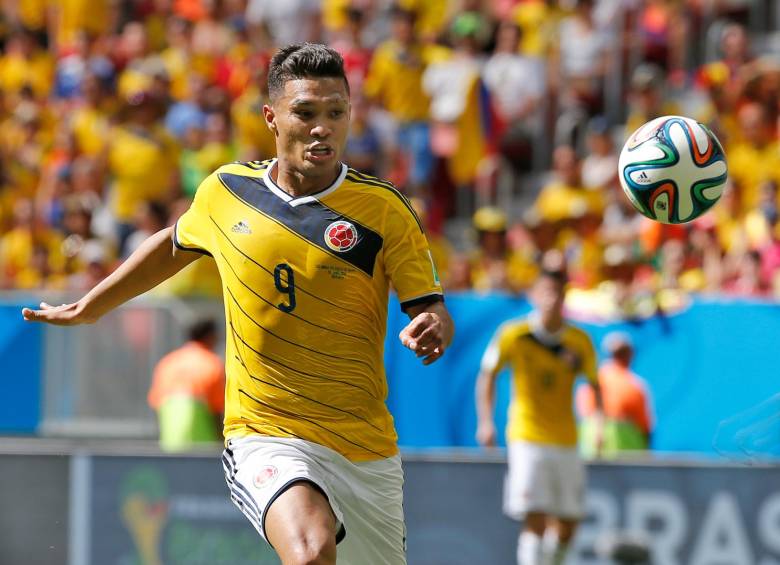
(265, 476)
(341, 236)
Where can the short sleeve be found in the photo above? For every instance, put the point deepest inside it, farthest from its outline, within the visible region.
(407, 257)
(194, 230)
(495, 356)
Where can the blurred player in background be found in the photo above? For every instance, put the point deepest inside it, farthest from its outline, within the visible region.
(307, 249)
(188, 391)
(545, 483)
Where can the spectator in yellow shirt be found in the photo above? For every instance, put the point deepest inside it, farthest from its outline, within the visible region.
(494, 265)
(564, 197)
(30, 253)
(395, 82)
(142, 159)
(753, 159)
(24, 64)
(90, 121)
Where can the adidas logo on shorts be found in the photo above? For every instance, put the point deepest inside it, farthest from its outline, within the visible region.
(241, 227)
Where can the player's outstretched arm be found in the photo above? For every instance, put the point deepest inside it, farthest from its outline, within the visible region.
(156, 260)
(430, 332)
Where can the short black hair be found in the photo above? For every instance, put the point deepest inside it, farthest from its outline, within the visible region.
(304, 60)
(202, 330)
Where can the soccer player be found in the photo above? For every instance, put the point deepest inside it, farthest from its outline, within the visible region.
(546, 477)
(307, 249)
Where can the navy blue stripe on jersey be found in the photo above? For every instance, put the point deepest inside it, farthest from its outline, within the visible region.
(310, 220)
(427, 299)
(358, 177)
(554, 348)
(182, 247)
(297, 284)
(255, 165)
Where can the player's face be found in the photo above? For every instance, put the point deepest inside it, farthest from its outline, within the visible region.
(547, 296)
(310, 120)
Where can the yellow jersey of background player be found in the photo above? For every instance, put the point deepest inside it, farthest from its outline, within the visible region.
(543, 375)
(306, 288)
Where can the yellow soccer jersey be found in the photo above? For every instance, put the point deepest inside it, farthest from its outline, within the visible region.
(306, 283)
(544, 370)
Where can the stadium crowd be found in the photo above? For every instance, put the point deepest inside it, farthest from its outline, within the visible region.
(508, 112)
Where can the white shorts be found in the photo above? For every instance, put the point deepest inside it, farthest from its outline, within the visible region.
(366, 498)
(544, 478)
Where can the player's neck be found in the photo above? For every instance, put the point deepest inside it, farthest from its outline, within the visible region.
(547, 324)
(296, 184)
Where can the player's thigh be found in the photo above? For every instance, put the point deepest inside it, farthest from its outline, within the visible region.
(570, 477)
(528, 486)
(372, 502)
(260, 472)
(301, 526)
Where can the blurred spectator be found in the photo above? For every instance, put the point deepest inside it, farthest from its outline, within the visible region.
(90, 121)
(538, 20)
(452, 82)
(142, 160)
(440, 248)
(493, 265)
(188, 113)
(350, 44)
(582, 56)
(25, 64)
(600, 166)
(662, 28)
(291, 21)
(254, 140)
(564, 197)
(517, 84)
(31, 252)
(395, 82)
(81, 244)
(151, 218)
(647, 99)
(364, 148)
(754, 157)
(188, 391)
(627, 411)
(515, 80)
(748, 279)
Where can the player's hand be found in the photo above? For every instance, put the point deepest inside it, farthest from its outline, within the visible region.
(428, 334)
(486, 434)
(64, 315)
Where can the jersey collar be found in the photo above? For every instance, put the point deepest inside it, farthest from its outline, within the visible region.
(273, 187)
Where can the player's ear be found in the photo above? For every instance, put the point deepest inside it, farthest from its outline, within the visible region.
(270, 118)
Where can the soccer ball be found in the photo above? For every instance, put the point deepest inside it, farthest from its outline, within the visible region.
(672, 169)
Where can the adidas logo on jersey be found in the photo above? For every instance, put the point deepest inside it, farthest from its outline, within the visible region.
(241, 227)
